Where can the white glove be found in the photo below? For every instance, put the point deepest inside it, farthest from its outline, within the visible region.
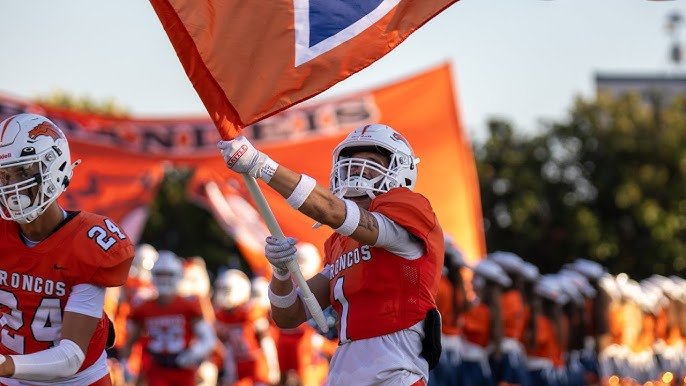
(279, 252)
(242, 157)
(188, 358)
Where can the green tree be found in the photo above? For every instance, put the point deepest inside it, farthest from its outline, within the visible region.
(108, 107)
(181, 226)
(606, 183)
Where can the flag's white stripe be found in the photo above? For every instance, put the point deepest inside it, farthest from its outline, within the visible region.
(304, 53)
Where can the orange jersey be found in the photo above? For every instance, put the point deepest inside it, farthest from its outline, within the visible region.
(376, 292)
(35, 283)
(132, 293)
(647, 337)
(674, 336)
(168, 327)
(514, 320)
(304, 351)
(547, 345)
(661, 324)
(477, 325)
(236, 330)
(616, 321)
(451, 319)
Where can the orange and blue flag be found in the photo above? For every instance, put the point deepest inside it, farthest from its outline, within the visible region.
(249, 59)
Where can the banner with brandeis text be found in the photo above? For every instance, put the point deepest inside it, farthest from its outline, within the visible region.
(124, 160)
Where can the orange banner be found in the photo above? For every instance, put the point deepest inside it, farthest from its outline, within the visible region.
(123, 160)
(423, 109)
(115, 183)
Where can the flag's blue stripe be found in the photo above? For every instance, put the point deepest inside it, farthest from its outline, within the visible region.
(328, 17)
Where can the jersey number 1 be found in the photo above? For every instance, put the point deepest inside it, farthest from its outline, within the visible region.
(339, 296)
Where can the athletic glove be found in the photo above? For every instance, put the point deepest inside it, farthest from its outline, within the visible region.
(279, 252)
(242, 157)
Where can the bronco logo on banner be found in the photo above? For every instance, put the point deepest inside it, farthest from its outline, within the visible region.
(123, 160)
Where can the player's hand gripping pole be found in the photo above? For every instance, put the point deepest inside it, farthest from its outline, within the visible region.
(266, 212)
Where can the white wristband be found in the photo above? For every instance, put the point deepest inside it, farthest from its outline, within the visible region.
(352, 219)
(268, 169)
(302, 191)
(282, 301)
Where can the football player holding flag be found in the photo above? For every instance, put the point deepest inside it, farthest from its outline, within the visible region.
(55, 265)
(383, 263)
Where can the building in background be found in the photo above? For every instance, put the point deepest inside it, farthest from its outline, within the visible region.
(661, 87)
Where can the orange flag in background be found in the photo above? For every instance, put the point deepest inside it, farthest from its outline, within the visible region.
(249, 59)
(423, 109)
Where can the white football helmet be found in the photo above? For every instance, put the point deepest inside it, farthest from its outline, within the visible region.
(143, 261)
(231, 289)
(260, 292)
(196, 279)
(167, 273)
(354, 177)
(35, 166)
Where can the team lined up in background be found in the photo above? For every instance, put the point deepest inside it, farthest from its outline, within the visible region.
(249, 350)
(503, 323)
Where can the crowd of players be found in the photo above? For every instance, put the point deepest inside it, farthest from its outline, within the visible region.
(503, 324)
(157, 316)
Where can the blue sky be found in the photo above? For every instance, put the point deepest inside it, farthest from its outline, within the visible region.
(523, 60)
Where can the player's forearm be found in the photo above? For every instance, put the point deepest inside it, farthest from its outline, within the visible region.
(320, 205)
(290, 317)
(57, 362)
(7, 366)
(285, 315)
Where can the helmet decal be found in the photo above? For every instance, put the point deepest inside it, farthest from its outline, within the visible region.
(45, 128)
